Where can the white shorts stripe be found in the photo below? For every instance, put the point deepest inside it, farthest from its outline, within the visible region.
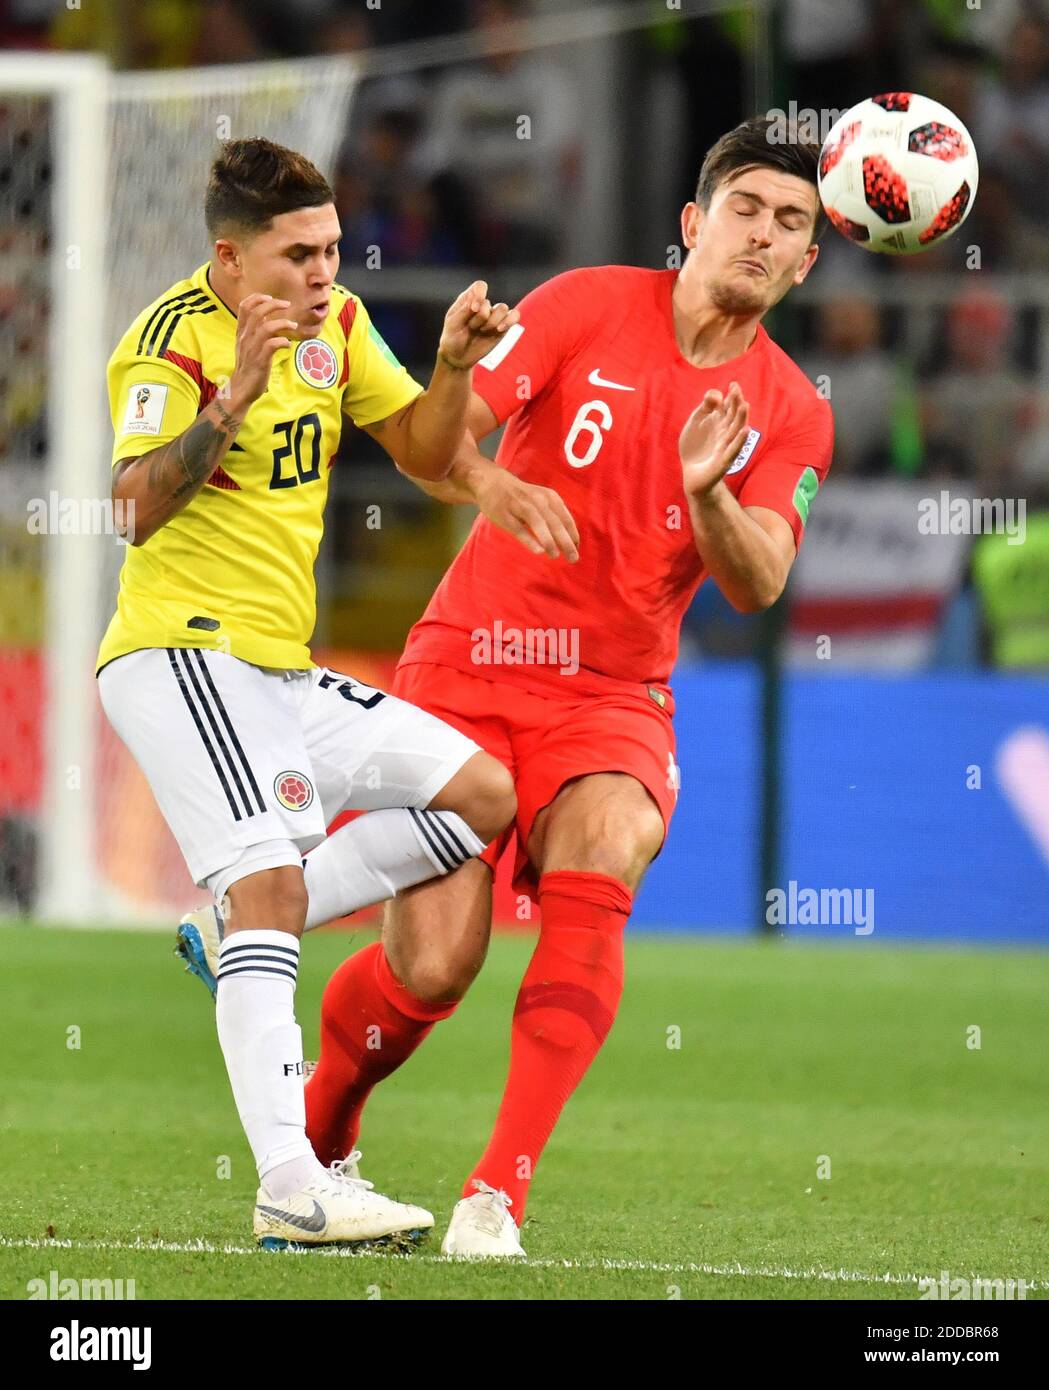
(198, 656)
(216, 763)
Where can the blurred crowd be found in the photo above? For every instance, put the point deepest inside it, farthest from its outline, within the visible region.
(436, 171)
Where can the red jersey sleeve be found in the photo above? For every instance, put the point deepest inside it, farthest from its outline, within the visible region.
(557, 318)
(787, 477)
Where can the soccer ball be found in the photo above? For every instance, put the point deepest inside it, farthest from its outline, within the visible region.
(898, 173)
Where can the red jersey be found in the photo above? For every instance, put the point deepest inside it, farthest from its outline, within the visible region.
(597, 392)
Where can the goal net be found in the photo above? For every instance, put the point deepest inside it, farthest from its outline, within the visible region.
(101, 186)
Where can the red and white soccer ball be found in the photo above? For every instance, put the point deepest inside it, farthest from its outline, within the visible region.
(898, 173)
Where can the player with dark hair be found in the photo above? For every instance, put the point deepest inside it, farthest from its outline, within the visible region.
(656, 436)
(227, 397)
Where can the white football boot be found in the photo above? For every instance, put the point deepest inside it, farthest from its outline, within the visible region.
(197, 942)
(482, 1227)
(339, 1207)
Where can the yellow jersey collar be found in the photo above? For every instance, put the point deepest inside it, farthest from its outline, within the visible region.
(202, 281)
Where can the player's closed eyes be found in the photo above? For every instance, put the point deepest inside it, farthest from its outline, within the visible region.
(748, 210)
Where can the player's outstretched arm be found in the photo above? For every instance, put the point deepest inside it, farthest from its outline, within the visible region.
(156, 486)
(536, 516)
(422, 439)
(747, 550)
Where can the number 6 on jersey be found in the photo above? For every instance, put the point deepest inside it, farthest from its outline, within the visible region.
(583, 425)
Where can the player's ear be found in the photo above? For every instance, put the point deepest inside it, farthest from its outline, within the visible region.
(227, 253)
(691, 217)
(808, 261)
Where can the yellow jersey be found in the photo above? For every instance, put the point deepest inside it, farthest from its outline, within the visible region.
(233, 571)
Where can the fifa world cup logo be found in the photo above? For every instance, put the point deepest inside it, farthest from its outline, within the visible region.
(141, 397)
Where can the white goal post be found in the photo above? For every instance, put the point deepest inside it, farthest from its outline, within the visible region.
(123, 161)
(75, 89)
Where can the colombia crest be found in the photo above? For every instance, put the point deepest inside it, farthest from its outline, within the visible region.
(316, 363)
(293, 790)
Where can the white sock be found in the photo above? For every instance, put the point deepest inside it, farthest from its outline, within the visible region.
(378, 854)
(262, 1045)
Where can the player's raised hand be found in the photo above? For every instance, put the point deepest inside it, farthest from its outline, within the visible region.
(260, 332)
(472, 327)
(536, 516)
(712, 437)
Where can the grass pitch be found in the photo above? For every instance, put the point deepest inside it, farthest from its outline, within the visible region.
(685, 1170)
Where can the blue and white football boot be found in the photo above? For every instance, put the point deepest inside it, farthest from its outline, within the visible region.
(197, 943)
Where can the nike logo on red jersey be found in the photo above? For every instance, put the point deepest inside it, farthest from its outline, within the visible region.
(596, 379)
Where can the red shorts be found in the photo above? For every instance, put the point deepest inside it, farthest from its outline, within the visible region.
(546, 741)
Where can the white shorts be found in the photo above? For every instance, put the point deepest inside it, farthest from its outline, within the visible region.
(239, 756)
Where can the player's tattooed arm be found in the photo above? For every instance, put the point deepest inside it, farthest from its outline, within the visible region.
(156, 486)
(181, 466)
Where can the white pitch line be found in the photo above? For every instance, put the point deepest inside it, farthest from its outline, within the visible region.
(204, 1247)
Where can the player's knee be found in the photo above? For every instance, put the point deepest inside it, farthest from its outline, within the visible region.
(272, 898)
(618, 841)
(442, 977)
(483, 794)
(646, 839)
(497, 797)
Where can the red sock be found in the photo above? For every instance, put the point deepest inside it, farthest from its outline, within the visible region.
(566, 1005)
(370, 1024)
